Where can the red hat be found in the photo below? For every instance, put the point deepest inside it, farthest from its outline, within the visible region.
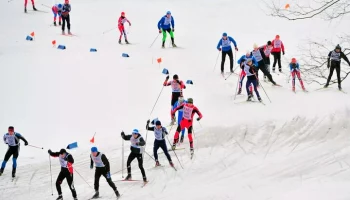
(123, 13)
(294, 60)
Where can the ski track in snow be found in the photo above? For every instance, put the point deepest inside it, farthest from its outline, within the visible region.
(296, 147)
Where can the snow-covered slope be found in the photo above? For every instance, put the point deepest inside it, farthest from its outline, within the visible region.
(293, 148)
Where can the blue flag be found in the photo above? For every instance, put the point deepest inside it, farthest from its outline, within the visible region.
(165, 71)
(189, 82)
(73, 145)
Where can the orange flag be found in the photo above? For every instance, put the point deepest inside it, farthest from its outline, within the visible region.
(53, 42)
(32, 34)
(287, 6)
(159, 60)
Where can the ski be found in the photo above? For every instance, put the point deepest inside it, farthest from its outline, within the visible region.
(144, 184)
(343, 91)
(192, 153)
(129, 180)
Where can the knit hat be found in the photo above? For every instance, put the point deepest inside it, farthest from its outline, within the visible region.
(255, 46)
(224, 34)
(62, 151)
(168, 13)
(269, 43)
(11, 128)
(135, 131)
(158, 123)
(294, 60)
(189, 100)
(338, 47)
(175, 77)
(94, 149)
(123, 13)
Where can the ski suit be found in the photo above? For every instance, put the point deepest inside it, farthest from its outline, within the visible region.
(65, 16)
(252, 79)
(276, 52)
(56, 11)
(259, 55)
(225, 47)
(167, 24)
(295, 71)
(179, 115)
(102, 169)
(159, 141)
(176, 86)
(241, 63)
(121, 28)
(334, 59)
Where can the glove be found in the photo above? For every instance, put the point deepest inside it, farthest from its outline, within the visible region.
(167, 78)
(122, 134)
(137, 144)
(160, 31)
(129, 24)
(108, 175)
(173, 30)
(91, 166)
(236, 48)
(148, 121)
(198, 118)
(219, 49)
(26, 143)
(328, 66)
(283, 53)
(178, 81)
(49, 151)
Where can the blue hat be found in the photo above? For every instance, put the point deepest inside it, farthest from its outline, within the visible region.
(94, 149)
(168, 13)
(135, 131)
(60, 6)
(224, 34)
(158, 123)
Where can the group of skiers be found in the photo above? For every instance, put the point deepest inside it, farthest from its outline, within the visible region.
(62, 11)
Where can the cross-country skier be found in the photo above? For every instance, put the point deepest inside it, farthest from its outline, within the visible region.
(25, 5)
(241, 62)
(224, 46)
(66, 161)
(159, 141)
(187, 120)
(295, 70)
(249, 69)
(102, 169)
(11, 138)
(137, 148)
(276, 52)
(334, 59)
(259, 55)
(167, 24)
(267, 50)
(179, 115)
(176, 86)
(57, 10)
(121, 21)
(65, 16)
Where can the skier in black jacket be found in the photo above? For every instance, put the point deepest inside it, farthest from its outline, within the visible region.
(334, 59)
(137, 148)
(66, 17)
(102, 169)
(66, 161)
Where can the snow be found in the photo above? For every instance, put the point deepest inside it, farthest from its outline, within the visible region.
(293, 148)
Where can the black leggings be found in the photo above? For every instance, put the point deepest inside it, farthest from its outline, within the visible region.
(160, 144)
(276, 57)
(65, 174)
(131, 157)
(262, 67)
(101, 171)
(334, 65)
(223, 58)
(65, 19)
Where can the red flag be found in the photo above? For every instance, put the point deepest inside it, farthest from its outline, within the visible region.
(159, 60)
(53, 42)
(32, 34)
(92, 139)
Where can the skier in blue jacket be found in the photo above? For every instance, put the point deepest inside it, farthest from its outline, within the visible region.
(241, 63)
(224, 45)
(180, 114)
(167, 24)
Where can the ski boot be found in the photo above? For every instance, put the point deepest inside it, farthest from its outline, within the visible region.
(13, 172)
(239, 91)
(75, 198)
(273, 70)
(326, 86)
(59, 197)
(96, 195)
(126, 41)
(54, 23)
(117, 193)
(34, 8)
(231, 70)
(173, 147)
(59, 23)
(280, 70)
(339, 87)
(171, 163)
(293, 89)
(250, 96)
(145, 179)
(25, 9)
(182, 139)
(1, 171)
(128, 177)
(120, 41)
(69, 33)
(163, 44)
(63, 33)
(265, 78)
(172, 42)
(259, 98)
(157, 163)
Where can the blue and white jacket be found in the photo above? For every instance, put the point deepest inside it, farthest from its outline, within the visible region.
(166, 23)
(244, 58)
(226, 44)
(13, 140)
(293, 67)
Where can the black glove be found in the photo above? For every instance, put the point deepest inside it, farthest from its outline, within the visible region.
(167, 78)
(148, 121)
(122, 134)
(49, 151)
(198, 118)
(137, 144)
(178, 81)
(283, 53)
(173, 30)
(26, 143)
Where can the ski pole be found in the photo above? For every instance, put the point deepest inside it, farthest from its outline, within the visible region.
(35, 146)
(45, 5)
(122, 158)
(156, 100)
(154, 40)
(262, 86)
(51, 175)
(171, 145)
(128, 29)
(217, 58)
(239, 79)
(83, 178)
(109, 30)
(150, 156)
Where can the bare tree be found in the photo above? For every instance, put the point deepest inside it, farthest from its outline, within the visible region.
(315, 53)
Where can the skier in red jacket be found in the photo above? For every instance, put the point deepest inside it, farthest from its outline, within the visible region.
(121, 21)
(276, 52)
(187, 119)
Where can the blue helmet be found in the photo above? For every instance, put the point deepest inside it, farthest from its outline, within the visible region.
(168, 13)
(135, 131)
(59, 6)
(224, 34)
